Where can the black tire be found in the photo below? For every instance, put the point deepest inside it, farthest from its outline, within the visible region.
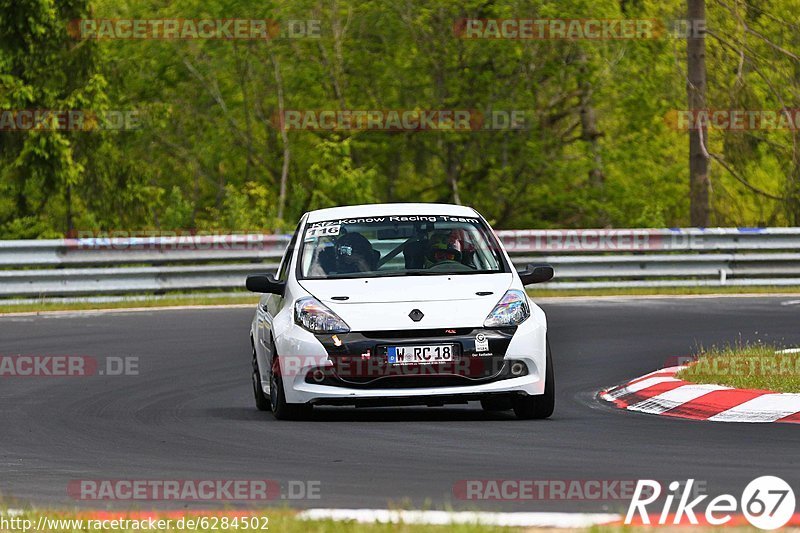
(277, 397)
(542, 405)
(495, 403)
(262, 401)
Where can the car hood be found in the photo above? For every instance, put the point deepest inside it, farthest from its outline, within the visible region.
(385, 303)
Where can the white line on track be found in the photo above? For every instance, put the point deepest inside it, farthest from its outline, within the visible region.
(385, 516)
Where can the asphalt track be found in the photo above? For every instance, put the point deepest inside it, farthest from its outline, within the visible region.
(189, 413)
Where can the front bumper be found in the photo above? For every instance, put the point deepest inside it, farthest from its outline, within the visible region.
(356, 372)
(361, 361)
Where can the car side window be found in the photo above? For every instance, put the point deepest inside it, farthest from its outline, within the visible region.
(283, 271)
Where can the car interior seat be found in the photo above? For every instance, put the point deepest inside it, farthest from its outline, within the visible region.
(354, 253)
(414, 253)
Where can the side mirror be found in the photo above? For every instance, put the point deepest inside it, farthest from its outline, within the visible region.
(536, 273)
(265, 283)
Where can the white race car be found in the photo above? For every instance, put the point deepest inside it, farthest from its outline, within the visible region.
(399, 304)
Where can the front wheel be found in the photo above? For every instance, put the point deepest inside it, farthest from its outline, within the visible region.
(541, 405)
(262, 402)
(277, 397)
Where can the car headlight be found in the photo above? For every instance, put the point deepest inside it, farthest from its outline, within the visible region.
(314, 316)
(511, 310)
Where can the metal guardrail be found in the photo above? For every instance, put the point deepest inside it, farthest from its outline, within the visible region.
(581, 258)
(131, 250)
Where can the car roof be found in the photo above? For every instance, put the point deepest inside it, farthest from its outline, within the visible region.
(371, 210)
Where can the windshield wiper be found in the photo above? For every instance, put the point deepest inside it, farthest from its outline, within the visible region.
(403, 273)
(399, 273)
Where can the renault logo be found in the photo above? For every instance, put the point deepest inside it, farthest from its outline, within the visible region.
(415, 315)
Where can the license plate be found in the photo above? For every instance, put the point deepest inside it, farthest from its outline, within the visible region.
(411, 355)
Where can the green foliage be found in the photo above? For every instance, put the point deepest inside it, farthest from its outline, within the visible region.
(334, 181)
(42, 68)
(210, 156)
(177, 212)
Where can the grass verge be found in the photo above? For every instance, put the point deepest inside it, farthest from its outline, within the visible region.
(177, 300)
(746, 366)
(282, 520)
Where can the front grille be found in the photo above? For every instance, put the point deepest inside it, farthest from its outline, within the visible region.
(411, 382)
(360, 358)
(415, 333)
(407, 381)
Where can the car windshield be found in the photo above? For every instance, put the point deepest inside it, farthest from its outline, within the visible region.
(410, 245)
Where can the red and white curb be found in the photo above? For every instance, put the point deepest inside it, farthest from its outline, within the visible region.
(661, 393)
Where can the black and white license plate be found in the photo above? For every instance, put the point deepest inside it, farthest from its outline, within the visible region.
(411, 355)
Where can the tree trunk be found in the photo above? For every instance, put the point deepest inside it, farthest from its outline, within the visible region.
(699, 185)
(70, 224)
(793, 199)
(287, 154)
(591, 135)
(589, 131)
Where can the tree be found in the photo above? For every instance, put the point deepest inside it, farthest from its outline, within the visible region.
(699, 184)
(42, 67)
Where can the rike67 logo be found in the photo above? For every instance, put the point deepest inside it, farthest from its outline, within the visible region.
(768, 502)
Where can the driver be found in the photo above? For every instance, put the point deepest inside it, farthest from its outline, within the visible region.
(444, 246)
